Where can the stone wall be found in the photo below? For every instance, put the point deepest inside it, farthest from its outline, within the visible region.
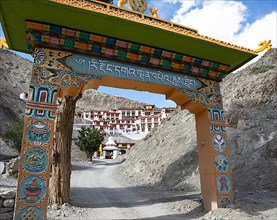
(7, 201)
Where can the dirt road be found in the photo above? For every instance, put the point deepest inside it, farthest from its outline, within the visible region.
(96, 194)
(94, 187)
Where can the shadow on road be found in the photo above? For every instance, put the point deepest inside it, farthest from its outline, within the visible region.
(79, 167)
(95, 162)
(195, 213)
(122, 197)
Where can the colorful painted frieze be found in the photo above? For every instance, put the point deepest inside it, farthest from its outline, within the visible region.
(34, 169)
(103, 46)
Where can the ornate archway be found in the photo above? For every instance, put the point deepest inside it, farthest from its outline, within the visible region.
(68, 61)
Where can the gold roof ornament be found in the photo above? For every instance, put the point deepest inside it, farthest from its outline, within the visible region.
(138, 5)
(135, 5)
(3, 43)
(121, 3)
(264, 45)
(154, 12)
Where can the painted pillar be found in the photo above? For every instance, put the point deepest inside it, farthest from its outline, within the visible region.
(37, 142)
(214, 165)
(36, 151)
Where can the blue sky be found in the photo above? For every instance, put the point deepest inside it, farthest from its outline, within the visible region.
(244, 23)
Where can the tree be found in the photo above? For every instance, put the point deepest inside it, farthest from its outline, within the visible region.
(61, 166)
(14, 134)
(89, 140)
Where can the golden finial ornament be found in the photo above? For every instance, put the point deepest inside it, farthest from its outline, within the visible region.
(264, 45)
(154, 12)
(135, 5)
(121, 3)
(3, 43)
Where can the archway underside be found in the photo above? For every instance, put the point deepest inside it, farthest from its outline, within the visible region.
(59, 73)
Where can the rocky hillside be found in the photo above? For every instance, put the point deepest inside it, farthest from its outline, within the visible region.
(101, 101)
(14, 78)
(167, 157)
(250, 100)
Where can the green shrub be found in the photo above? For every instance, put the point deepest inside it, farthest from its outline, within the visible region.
(14, 174)
(14, 134)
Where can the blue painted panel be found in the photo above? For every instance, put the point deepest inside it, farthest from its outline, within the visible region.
(30, 212)
(35, 160)
(32, 189)
(104, 67)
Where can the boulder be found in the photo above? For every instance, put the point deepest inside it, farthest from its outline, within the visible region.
(12, 165)
(8, 203)
(8, 194)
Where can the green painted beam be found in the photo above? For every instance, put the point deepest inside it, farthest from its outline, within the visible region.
(14, 13)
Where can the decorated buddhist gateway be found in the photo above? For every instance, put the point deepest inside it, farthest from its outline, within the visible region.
(82, 44)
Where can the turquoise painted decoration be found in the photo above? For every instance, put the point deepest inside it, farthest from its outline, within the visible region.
(30, 212)
(219, 143)
(221, 163)
(216, 115)
(32, 189)
(38, 133)
(223, 183)
(35, 160)
(104, 67)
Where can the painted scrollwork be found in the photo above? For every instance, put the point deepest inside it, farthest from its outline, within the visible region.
(207, 100)
(60, 78)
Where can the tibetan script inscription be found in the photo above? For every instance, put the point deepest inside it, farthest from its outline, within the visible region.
(85, 64)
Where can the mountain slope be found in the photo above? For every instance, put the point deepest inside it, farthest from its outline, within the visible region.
(101, 101)
(250, 100)
(15, 75)
(168, 156)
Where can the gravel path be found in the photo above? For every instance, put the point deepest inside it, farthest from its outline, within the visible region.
(97, 195)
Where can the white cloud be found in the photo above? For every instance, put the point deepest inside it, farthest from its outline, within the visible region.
(185, 5)
(262, 29)
(227, 21)
(218, 19)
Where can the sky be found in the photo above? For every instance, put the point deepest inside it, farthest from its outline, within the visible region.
(241, 22)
